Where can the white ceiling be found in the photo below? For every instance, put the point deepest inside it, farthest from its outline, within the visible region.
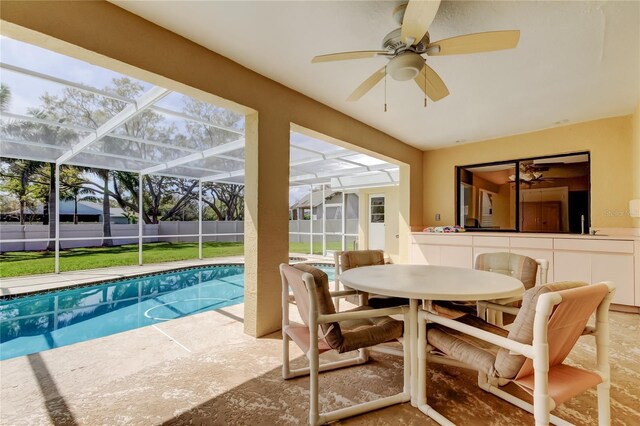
(576, 61)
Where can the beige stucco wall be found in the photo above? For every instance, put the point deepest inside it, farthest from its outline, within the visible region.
(104, 34)
(609, 140)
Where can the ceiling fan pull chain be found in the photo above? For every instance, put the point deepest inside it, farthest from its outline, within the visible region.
(385, 89)
(425, 84)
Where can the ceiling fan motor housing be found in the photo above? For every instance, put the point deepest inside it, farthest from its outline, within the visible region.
(393, 42)
(405, 66)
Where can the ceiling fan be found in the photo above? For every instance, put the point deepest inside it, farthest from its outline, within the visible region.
(405, 46)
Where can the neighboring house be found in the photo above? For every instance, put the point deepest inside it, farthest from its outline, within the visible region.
(88, 212)
(333, 204)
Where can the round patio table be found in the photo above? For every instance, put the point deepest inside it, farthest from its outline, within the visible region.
(428, 283)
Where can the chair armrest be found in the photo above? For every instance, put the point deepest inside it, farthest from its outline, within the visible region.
(507, 300)
(498, 307)
(369, 313)
(503, 342)
(344, 293)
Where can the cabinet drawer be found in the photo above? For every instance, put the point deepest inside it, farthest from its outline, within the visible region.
(607, 246)
(502, 242)
(618, 269)
(572, 266)
(443, 240)
(533, 243)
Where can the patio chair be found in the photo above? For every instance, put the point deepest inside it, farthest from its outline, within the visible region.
(345, 260)
(325, 330)
(521, 267)
(545, 330)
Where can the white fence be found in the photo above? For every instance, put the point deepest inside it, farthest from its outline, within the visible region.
(299, 230)
(85, 232)
(90, 234)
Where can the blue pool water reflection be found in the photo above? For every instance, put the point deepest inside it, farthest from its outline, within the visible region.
(50, 320)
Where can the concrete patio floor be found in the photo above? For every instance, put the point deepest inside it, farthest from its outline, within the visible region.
(204, 370)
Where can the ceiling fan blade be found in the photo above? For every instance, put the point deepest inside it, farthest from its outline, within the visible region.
(367, 85)
(343, 56)
(475, 43)
(417, 19)
(435, 88)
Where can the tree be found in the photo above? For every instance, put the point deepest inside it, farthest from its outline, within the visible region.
(34, 131)
(91, 110)
(227, 201)
(5, 97)
(16, 180)
(106, 208)
(71, 181)
(165, 198)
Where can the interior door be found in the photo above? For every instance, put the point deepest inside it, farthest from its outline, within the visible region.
(376, 222)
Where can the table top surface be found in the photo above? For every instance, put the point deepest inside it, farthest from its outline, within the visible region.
(432, 282)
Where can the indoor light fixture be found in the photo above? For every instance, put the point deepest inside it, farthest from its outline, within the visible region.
(405, 66)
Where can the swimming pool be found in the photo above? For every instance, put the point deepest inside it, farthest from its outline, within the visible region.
(58, 318)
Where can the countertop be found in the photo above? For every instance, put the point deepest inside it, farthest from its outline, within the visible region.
(605, 236)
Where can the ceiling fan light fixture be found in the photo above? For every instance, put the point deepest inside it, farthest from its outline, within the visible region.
(405, 66)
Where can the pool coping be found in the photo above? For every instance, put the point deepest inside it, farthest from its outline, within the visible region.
(5, 297)
(13, 288)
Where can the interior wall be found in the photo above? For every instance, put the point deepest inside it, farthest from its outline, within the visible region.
(391, 220)
(503, 206)
(106, 35)
(613, 166)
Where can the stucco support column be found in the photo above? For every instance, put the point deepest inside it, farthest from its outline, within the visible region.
(140, 216)
(266, 238)
(404, 228)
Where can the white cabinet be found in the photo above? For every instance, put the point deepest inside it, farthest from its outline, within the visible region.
(582, 258)
(598, 267)
(443, 250)
(572, 266)
(594, 261)
(427, 254)
(616, 268)
(461, 257)
(482, 245)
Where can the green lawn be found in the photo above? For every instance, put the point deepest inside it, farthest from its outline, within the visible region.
(317, 247)
(17, 263)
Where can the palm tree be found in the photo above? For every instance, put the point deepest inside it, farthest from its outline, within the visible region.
(72, 182)
(5, 97)
(106, 208)
(78, 193)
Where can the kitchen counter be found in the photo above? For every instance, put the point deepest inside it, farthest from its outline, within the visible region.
(604, 236)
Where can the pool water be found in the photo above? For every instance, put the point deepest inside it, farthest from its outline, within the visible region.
(49, 320)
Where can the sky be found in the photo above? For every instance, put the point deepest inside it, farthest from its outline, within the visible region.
(27, 90)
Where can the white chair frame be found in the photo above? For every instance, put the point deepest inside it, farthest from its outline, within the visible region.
(315, 320)
(538, 352)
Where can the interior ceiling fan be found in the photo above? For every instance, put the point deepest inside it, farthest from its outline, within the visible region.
(405, 46)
